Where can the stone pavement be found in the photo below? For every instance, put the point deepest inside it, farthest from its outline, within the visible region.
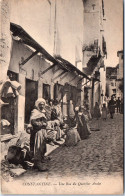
(101, 153)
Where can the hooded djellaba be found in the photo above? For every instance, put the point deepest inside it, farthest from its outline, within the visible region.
(82, 127)
(38, 133)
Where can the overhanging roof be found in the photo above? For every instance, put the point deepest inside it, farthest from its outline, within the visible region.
(28, 40)
(91, 65)
(72, 67)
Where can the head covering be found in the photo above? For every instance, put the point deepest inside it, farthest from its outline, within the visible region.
(76, 109)
(5, 122)
(37, 113)
(38, 101)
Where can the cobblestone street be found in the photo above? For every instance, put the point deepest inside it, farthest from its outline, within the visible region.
(100, 154)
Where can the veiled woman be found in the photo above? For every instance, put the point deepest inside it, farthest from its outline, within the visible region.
(82, 126)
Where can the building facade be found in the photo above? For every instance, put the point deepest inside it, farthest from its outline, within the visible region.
(114, 78)
(94, 49)
(120, 72)
(120, 55)
(39, 75)
(42, 74)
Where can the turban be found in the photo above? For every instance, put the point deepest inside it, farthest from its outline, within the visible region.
(38, 101)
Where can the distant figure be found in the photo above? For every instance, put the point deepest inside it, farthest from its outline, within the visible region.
(104, 112)
(111, 107)
(118, 105)
(97, 113)
(122, 106)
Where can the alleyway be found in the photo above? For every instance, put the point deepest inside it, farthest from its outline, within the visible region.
(102, 153)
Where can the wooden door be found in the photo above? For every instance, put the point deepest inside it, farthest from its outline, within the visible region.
(31, 95)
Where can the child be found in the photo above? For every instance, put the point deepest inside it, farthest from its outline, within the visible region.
(104, 112)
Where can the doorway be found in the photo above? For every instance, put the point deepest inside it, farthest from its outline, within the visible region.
(46, 92)
(31, 95)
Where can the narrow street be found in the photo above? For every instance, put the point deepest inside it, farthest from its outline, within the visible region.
(101, 153)
(63, 65)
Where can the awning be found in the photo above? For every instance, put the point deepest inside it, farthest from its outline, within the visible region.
(91, 65)
(28, 40)
(71, 67)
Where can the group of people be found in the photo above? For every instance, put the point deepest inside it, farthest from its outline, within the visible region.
(47, 125)
(112, 105)
(78, 126)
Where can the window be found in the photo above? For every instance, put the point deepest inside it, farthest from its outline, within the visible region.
(58, 91)
(31, 95)
(112, 83)
(114, 91)
(46, 92)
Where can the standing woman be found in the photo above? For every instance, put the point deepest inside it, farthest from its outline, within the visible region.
(82, 127)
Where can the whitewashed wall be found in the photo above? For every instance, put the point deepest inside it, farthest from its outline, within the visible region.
(38, 64)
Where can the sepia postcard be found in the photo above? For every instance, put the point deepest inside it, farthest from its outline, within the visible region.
(61, 97)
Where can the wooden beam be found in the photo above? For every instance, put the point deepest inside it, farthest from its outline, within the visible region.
(73, 78)
(85, 83)
(64, 76)
(59, 75)
(57, 70)
(80, 80)
(31, 56)
(47, 69)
